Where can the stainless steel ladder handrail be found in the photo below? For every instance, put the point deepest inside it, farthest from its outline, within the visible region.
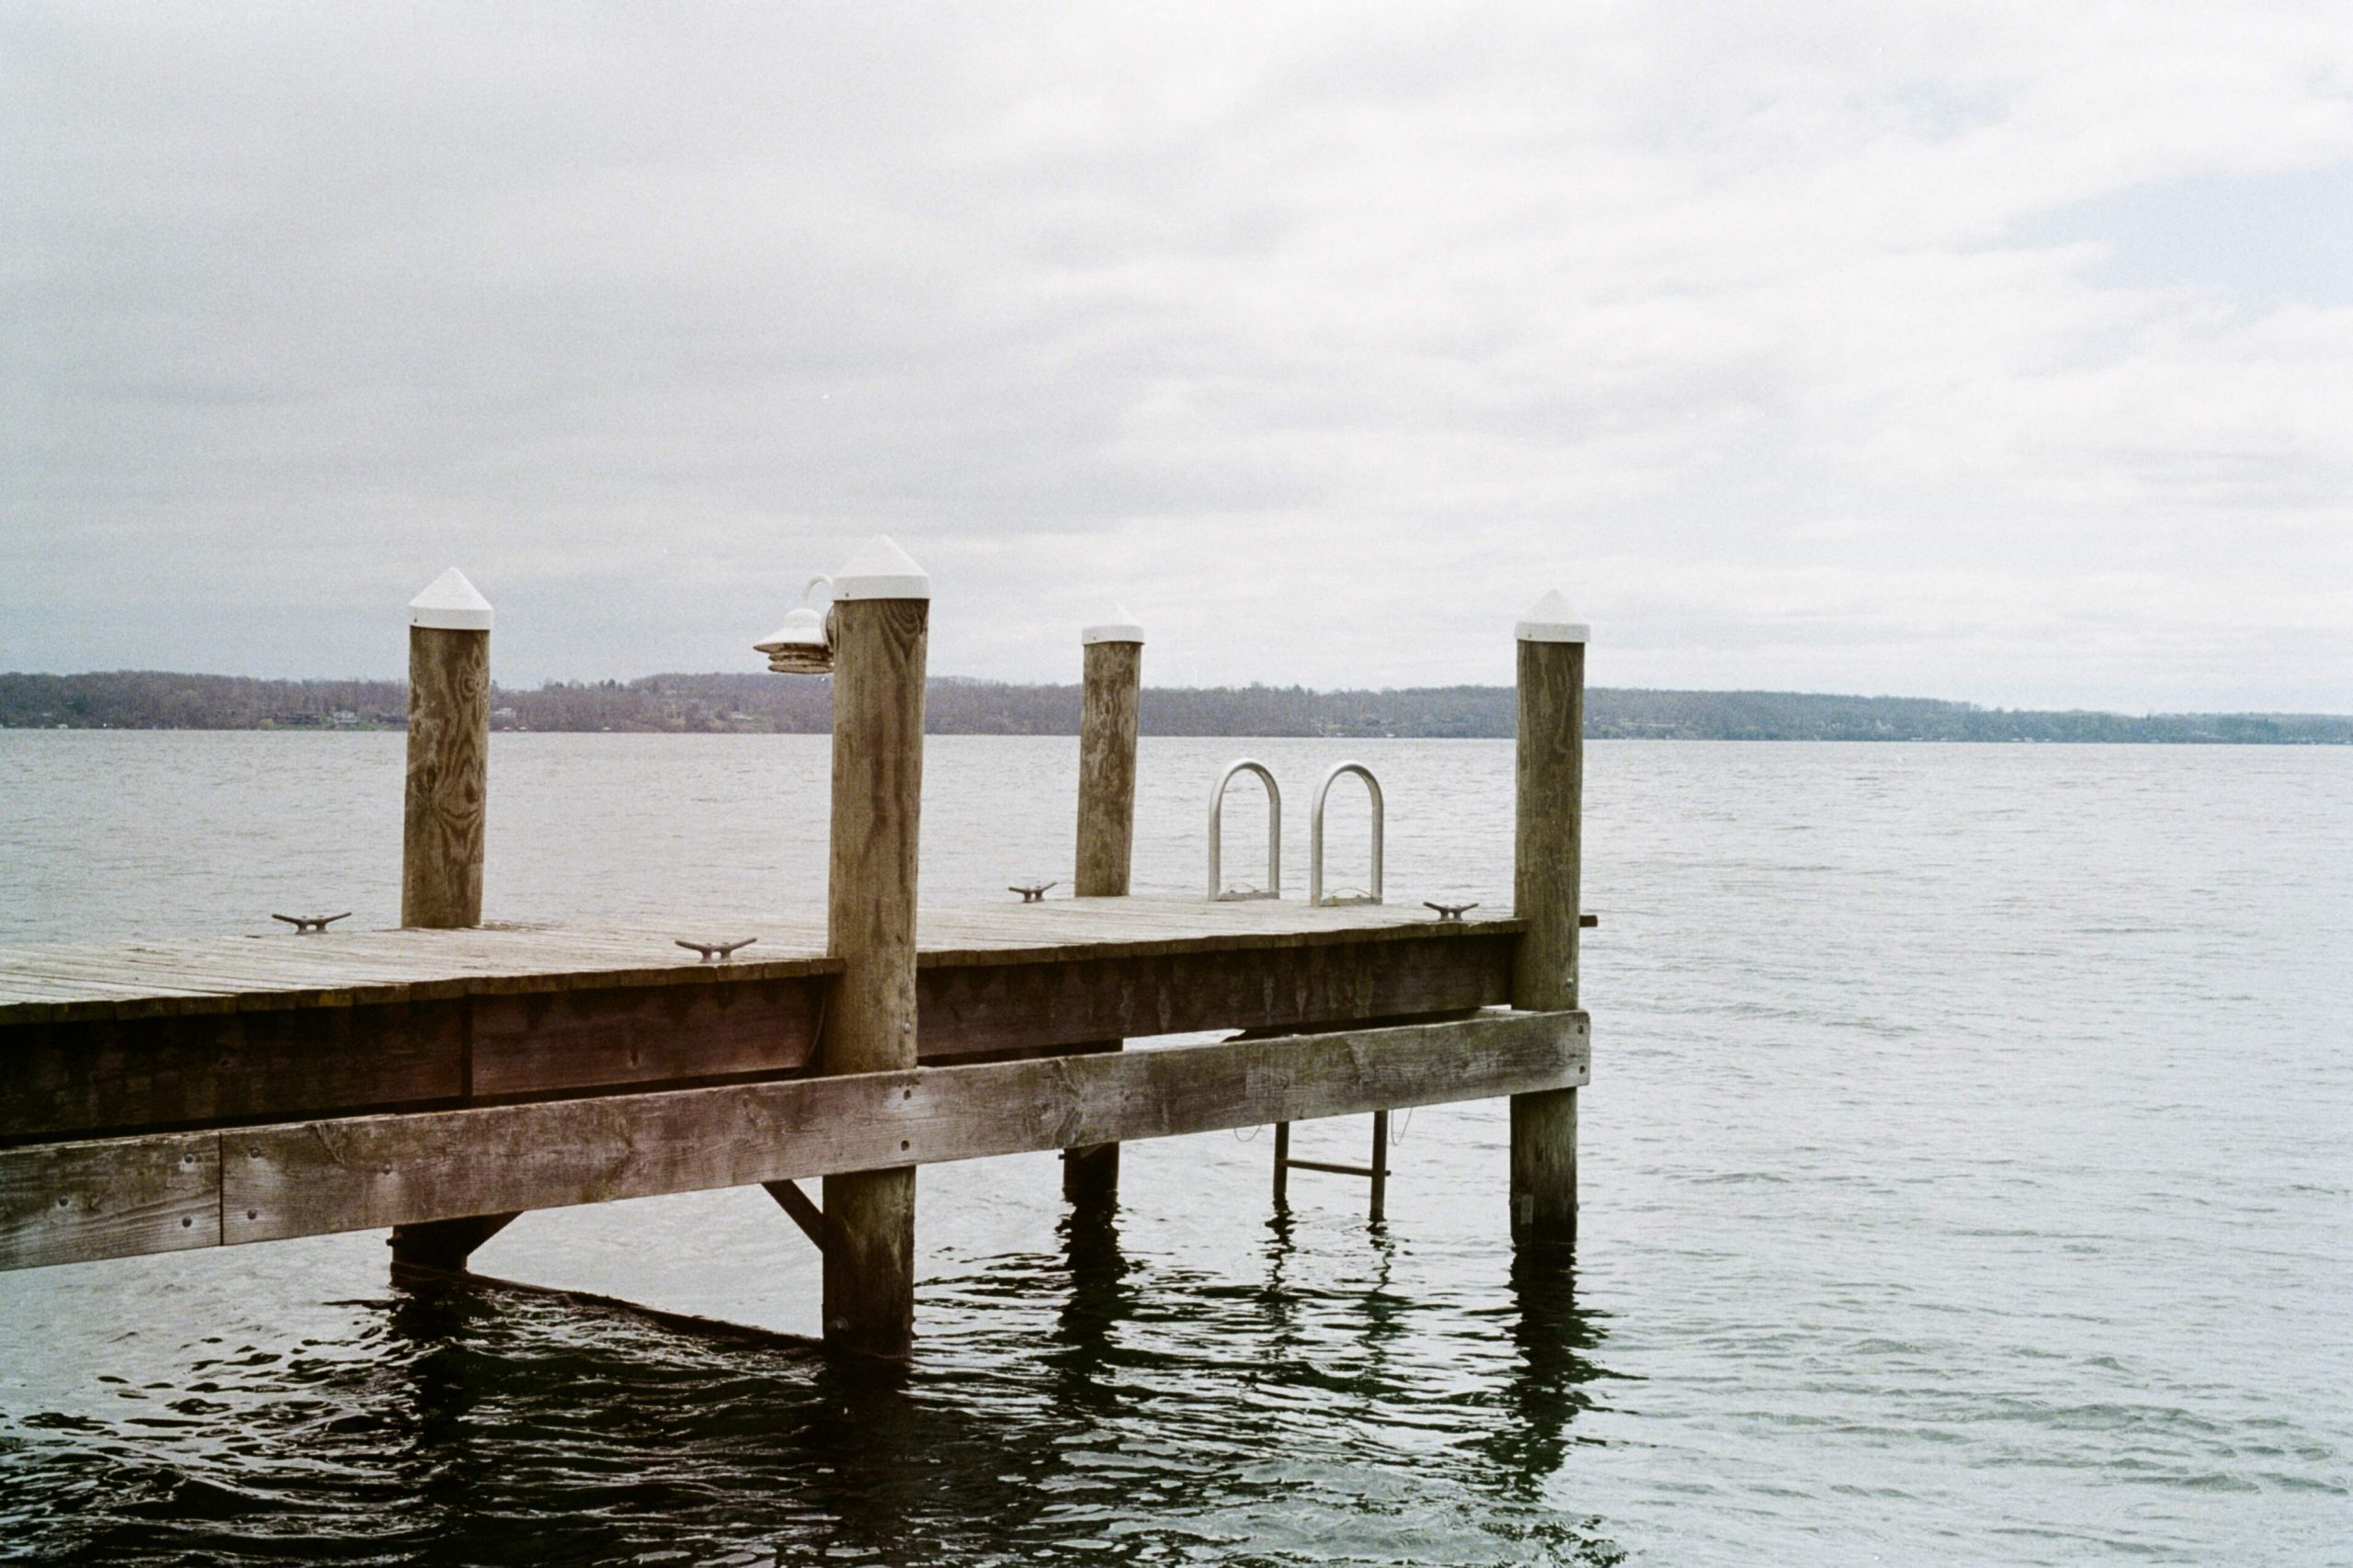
(1315, 836)
(1274, 887)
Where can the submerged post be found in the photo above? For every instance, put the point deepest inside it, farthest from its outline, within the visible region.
(1107, 820)
(1546, 869)
(449, 755)
(881, 620)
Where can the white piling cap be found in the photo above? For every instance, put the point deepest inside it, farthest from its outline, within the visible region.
(1549, 619)
(1118, 626)
(880, 570)
(451, 604)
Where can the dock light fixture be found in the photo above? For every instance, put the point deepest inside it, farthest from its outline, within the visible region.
(803, 645)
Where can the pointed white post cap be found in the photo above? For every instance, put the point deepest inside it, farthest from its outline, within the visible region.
(451, 604)
(1551, 619)
(880, 570)
(1118, 626)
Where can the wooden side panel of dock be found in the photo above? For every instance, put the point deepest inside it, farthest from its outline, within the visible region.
(1047, 1001)
(69, 1079)
(299, 1028)
(543, 1042)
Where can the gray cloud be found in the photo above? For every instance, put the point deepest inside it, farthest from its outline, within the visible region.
(1837, 349)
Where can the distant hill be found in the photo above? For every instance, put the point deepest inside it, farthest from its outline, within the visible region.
(146, 700)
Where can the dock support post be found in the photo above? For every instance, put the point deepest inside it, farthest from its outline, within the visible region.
(881, 620)
(441, 821)
(1546, 874)
(1106, 820)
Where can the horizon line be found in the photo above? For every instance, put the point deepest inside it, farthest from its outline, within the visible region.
(1255, 685)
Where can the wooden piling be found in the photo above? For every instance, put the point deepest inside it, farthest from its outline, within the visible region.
(1546, 874)
(1106, 758)
(1107, 818)
(441, 822)
(449, 755)
(881, 618)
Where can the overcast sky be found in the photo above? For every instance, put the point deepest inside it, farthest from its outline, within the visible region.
(2001, 352)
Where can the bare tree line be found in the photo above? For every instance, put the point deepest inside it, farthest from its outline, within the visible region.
(147, 699)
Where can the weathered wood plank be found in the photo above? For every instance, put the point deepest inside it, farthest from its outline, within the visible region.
(73, 1202)
(64, 983)
(369, 1172)
(1147, 927)
(974, 1010)
(76, 1079)
(541, 1042)
(356, 969)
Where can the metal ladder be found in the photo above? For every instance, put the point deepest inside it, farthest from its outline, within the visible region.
(1377, 1172)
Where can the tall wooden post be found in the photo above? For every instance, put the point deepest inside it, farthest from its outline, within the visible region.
(1107, 823)
(448, 753)
(441, 821)
(1546, 868)
(881, 620)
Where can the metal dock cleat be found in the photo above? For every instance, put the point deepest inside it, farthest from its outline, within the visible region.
(1454, 912)
(1031, 892)
(716, 953)
(310, 924)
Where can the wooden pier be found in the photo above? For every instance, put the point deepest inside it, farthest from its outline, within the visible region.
(441, 1079)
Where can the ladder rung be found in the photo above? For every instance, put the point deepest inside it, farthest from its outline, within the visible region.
(1336, 1170)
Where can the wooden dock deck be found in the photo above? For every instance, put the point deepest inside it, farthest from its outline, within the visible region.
(181, 1058)
(101, 1040)
(443, 1077)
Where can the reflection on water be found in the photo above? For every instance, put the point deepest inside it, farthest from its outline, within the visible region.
(1157, 1416)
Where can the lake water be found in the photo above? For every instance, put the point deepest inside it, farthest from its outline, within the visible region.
(1968, 1177)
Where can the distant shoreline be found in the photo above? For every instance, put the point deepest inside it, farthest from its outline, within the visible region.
(762, 704)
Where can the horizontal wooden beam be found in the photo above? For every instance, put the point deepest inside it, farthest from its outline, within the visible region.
(364, 1173)
(67, 1202)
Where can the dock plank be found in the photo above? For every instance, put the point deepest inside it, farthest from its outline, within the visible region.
(58, 982)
